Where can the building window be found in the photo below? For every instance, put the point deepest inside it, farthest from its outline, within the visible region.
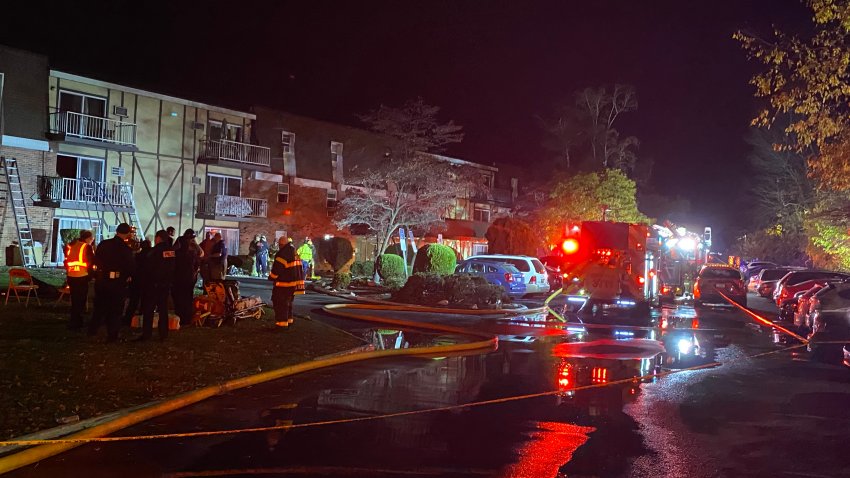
(222, 130)
(221, 185)
(80, 103)
(481, 213)
(331, 199)
(287, 141)
(336, 154)
(283, 193)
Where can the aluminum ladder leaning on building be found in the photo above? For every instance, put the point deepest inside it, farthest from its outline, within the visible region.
(12, 178)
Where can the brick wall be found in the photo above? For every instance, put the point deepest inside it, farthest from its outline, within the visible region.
(30, 164)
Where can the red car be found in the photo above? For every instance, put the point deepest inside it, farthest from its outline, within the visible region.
(793, 282)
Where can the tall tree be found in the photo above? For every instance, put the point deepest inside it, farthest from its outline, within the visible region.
(602, 106)
(807, 84)
(415, 127)
(589, 196)
(410, 187)
(416, 192)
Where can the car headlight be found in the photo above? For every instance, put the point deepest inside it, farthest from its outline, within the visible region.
(685, 346)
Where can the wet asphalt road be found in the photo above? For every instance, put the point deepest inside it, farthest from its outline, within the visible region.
(779, 415)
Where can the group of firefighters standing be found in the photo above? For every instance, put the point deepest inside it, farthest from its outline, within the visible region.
(169, 266)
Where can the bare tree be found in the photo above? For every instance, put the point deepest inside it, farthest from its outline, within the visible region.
(414, 125)
(411, 187)
(416, 192)
(602, 106)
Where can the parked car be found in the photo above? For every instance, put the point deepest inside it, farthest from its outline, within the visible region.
(713, 279)
(788, 308)
(495, 272)
(536, 279)
(785, 290)
(753, 268)
(767, 279)
(554, 271)
(831, 320)
(804, 303)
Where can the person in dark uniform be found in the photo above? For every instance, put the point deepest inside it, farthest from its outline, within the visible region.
(158, 275)
(171, 231)
(186, 268)
(135, 290)
(288, 277)
(79, 264)
(114, 262)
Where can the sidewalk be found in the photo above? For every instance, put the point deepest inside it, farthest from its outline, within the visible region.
(49, 376)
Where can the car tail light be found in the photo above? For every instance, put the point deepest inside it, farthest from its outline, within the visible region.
(599, 375)
(509, 277)
(533, 280)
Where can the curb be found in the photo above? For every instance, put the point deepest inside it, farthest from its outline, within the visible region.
(40, 452)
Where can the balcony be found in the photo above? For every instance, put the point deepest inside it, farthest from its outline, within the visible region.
(500, 197)
(78, 128)
(83, 194)
(223, 152)
(231, 208)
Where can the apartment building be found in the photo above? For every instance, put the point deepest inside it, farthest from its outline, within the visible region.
(23, 118)
(93, 154)
(311, 160)
(119, 154)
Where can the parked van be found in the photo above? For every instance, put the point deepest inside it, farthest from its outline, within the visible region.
(534, 272)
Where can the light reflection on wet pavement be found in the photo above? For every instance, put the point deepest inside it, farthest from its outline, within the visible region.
(584, 432)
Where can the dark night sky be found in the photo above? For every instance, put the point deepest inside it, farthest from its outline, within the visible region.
(492, 66)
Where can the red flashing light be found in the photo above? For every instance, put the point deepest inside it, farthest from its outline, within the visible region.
(564, 376)
(641, 280)
(651, 273)
(570, 245)
(287, 212)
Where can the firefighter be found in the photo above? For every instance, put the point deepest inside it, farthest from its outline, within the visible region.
(158, 276)
(188, 263)
(79, 264)
(114, 264)
(288, 277)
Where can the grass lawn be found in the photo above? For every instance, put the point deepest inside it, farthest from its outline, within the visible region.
(51, 276)
(47, 373)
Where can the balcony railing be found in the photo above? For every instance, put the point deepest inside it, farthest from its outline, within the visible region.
(212, 205)
(84, 191)
(494, 195)
(225, 150)
(94, 128)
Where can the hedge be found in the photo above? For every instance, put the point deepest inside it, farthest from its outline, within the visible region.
(435, 258)
(390, 267)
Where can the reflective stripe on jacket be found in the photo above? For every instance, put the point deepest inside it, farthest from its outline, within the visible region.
(287, 271)
(78, 259)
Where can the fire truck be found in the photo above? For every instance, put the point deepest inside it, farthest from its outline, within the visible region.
(610, 263)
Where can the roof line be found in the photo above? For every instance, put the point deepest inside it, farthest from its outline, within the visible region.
(91, 81)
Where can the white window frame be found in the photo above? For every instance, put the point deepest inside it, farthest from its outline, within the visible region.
(479, 208)
(223, 176)
(63, 91)
(336, 153)
(287, 142)
(239, 131)
(280, 187)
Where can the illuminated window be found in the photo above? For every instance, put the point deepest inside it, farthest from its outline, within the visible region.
(283, 193)
(287, 141)
(481, 213)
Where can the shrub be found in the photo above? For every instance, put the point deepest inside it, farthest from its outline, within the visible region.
(341, 280)
(391, 267)
(435, 258)
(421, 289)
(396, 249)
(468, 290)
(69, 235)
(363, 269)
(336, 251)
